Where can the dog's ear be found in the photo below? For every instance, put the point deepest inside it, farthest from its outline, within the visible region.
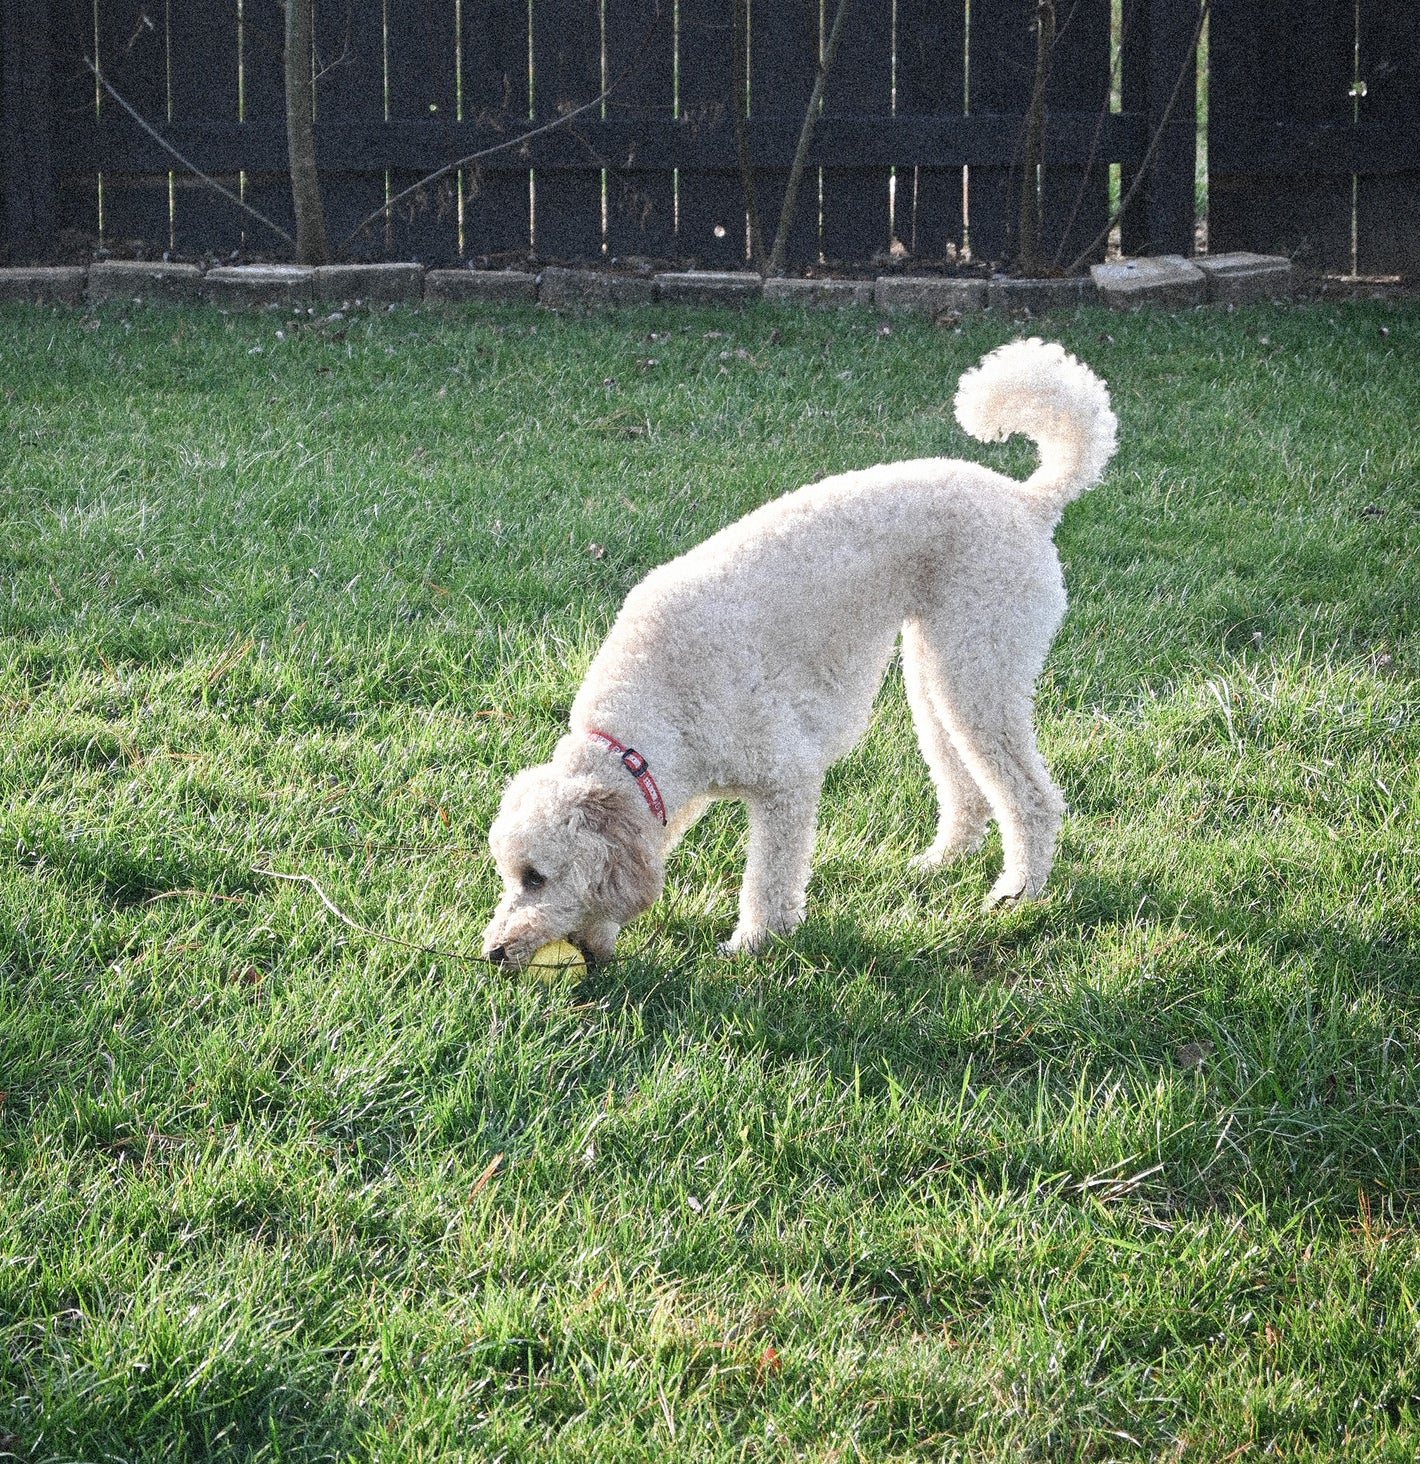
(631, 877)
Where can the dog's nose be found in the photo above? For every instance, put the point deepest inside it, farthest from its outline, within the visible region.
(498, 955)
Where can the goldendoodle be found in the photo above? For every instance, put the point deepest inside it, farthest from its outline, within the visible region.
(746, 667)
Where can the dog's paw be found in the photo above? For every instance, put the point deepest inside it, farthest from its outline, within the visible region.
(1013, 888)
(744, 942)
(942, 851)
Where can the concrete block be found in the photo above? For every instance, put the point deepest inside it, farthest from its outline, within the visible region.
(1167, 280)
(252, 286)
(1041, 297)
(1234, 279)
(708, 287)
(60, 285)
(127, 279)
(460, 286)
(383, 282)
(820, 293)
(932, 294)
(592, 289)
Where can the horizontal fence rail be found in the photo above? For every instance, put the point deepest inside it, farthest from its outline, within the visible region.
(1313, 142)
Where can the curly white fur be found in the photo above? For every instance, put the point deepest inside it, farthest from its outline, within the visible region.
(746, 667)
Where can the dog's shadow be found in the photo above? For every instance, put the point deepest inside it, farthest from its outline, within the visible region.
(1100, 974)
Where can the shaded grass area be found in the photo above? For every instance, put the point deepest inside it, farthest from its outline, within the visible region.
(1126, 1173)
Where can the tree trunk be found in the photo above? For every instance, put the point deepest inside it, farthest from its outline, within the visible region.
(311, 246)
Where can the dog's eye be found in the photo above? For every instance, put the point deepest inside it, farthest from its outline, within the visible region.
(532, 880)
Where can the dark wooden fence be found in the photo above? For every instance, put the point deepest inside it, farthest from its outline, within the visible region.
(919, 140)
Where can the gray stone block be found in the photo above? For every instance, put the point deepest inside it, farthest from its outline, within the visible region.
(127, 279)
(1234, 279)
(1167, 280)
(1041, 297)
(61, 285)
(384, 282)
(590, 289)
(252, 286)
(708, 287)
(459, 286)
(929, 293)
(820, 293)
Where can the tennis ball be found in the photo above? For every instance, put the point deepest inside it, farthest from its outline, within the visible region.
(557, 956)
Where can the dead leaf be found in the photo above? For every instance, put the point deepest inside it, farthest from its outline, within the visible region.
(487, 1174)
(1193, 1054)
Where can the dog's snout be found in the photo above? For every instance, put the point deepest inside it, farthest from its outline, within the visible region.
(498, 955)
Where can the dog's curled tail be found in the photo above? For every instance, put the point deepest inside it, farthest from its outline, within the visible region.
(1038, 388)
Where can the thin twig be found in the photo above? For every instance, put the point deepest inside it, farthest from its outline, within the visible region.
(1190, 60)
(488, 152)
(740, 22)
(1116, 65)
(409, 945)
(801, 153)
(186, 162)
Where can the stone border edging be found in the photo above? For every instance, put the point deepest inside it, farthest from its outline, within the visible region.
(1167, 281)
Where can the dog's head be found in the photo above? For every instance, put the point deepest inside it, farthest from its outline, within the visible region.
(579, 858)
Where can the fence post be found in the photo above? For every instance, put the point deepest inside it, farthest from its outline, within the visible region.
(25, 130)
(1160, 63)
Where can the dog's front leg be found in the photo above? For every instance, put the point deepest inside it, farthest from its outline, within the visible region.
(781, 844)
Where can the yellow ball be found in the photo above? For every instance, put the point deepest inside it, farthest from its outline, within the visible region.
(555, 957)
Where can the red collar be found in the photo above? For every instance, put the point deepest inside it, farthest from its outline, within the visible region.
(639, 769)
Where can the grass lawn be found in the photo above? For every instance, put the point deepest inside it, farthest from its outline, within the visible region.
(1132, 1172)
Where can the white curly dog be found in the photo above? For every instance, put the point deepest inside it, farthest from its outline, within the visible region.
(749, 665)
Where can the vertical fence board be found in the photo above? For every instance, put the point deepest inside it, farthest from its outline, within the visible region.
(1271, 64)
(350, 87)
(710, 201)
(72, 107)
(497, 221)
(264, 104)
(1001, 52)
(784, 55)
(640, 63)
(1075, 200)
(931, 66)
(567, 202)
(27, 212)
(856, 200)
(1388, 205)
(423, 84)
(203, 88)
(133, 45)
(1161, 65)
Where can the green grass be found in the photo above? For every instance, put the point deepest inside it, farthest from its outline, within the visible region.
(1128, 1173)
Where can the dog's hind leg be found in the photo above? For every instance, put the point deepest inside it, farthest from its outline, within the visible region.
(776, 877)
(962, 808)
(986, 706)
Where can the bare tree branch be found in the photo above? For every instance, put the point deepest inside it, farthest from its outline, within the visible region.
(522, 137)
(1190, 59)
(801, 153)
(191, 167)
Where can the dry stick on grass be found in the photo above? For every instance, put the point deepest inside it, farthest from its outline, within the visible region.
(1190, 60)
(801, 153)
(409, 945)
